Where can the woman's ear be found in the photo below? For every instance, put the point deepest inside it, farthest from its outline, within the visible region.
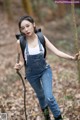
(34, 28)
(34, 25)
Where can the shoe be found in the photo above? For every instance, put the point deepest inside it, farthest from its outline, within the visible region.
(46, 113)
(59, 118)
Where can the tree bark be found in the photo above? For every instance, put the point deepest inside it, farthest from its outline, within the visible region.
(61, 10)
(27, 7)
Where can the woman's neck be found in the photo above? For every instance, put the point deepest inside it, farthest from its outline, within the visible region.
(31, 38)
(32, 41)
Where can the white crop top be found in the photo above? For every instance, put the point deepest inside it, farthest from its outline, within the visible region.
(33, 51)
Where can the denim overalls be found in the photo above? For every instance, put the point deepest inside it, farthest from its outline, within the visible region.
(39, 75)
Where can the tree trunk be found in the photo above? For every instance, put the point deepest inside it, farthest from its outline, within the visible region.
(61, 10)
(27, 7)
(75, 36)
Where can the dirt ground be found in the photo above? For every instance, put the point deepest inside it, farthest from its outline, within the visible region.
(65, 80)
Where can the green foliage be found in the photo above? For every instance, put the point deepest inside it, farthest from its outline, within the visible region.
(78, 11)
(40, 6)
(68, 97)
(50, 3)
(65, 45)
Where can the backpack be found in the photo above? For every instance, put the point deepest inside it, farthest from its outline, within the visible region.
(22, 39)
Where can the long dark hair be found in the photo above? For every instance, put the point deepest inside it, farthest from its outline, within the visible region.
(29, 18)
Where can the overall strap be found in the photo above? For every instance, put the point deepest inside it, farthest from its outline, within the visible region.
(27, 51)
(22, 39)
(40, 47)
(22, 44)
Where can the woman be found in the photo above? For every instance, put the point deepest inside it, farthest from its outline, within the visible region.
(38, 72)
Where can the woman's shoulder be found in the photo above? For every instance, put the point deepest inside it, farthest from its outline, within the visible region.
(18, 42)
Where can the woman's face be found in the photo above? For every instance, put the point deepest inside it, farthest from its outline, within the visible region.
(27, 28)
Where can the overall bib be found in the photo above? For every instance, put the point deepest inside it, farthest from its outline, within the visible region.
(39, 75)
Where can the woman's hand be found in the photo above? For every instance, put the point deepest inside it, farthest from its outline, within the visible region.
(77, 56)
(18, 66)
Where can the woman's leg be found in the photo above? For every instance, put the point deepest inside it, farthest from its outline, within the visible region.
(36, 85)
(47, 86)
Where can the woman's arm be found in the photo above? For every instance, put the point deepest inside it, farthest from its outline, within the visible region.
(19, 60)
(58, 52)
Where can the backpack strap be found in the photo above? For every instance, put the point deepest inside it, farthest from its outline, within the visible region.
(22, 39)
(42, 40)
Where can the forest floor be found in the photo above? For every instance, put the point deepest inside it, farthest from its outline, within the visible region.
(65, 76)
